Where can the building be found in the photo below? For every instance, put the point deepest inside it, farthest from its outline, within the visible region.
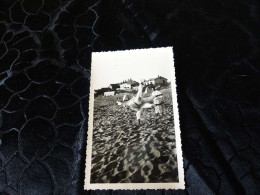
(114, 86)
(105, 89)
(128, 84)
(109, 93)
(156, 81)
(101, 91)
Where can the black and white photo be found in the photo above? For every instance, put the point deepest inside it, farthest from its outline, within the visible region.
(133, 135)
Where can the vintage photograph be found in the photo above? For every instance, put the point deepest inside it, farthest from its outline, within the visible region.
(133, 136)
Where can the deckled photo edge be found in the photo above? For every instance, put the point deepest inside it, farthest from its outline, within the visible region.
(90, 129)
(177, 122)
(135, 186)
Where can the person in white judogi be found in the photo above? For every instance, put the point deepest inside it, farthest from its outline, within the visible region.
(138, 103)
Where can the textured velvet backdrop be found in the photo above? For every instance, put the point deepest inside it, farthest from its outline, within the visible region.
(44, 81)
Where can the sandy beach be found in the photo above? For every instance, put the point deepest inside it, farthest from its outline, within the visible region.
(124, 152)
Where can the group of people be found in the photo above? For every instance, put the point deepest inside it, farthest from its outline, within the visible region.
(138, 103)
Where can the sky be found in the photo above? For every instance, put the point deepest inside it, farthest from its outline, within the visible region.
(114, 67)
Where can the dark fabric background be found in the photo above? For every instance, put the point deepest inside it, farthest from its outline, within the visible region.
(44, 81)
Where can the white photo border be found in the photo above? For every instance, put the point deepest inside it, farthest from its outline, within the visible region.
(135, 186)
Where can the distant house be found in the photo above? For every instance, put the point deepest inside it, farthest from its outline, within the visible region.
(128, 84)
(109, 93)
(155, 81)
(114, 86)
(105, 89)
(101, 91)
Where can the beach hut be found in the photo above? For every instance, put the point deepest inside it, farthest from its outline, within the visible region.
(109, 93)
(156, 81)
(128, 84)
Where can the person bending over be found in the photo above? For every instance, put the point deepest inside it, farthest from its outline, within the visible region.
(138, 103)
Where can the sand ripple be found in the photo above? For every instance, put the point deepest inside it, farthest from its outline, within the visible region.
(126, 153)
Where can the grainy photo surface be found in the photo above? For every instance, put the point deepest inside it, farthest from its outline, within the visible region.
(133, 136)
